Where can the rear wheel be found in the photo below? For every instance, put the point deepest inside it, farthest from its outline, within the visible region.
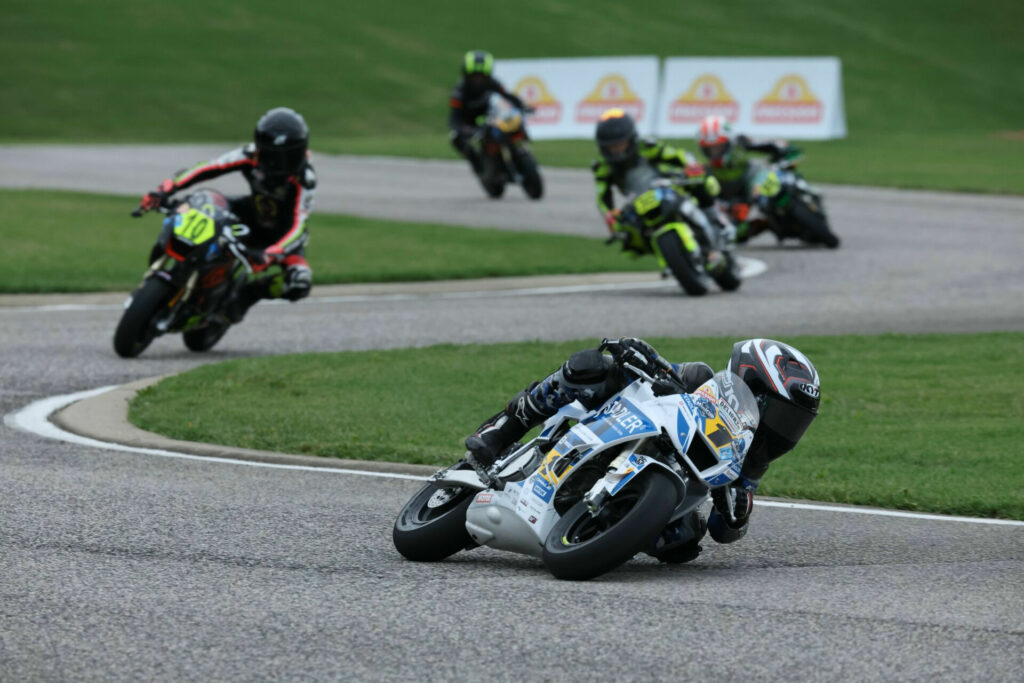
(582, 545)
(814, 226)
(204, 338)
(680, 262)
(729, 276)
(432, 525)
(136, 329)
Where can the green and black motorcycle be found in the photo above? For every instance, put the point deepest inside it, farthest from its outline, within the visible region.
(192, 281)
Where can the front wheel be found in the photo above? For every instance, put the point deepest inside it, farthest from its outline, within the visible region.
(432, 525)
(679, 261)
(582, 545)
(136, 329)
(814, 226)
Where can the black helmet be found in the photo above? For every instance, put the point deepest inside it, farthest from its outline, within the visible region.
(282, 138)
(787, 389)
(616, 137)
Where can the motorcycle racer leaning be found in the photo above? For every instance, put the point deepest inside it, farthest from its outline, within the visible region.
(282, 181)
(469, 101)
(783, 381)
(629, 163)
(729, 162)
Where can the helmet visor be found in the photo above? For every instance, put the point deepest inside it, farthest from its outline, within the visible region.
(715, 151)
(786, 419)
(281, 162)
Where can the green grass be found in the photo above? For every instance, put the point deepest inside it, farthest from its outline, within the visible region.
(927, 422)
(931, 90)
(70, 242)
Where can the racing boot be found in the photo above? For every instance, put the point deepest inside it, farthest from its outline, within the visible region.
(501, 431)
(247, 295)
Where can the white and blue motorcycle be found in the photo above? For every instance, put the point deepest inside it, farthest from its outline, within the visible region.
(596, 487)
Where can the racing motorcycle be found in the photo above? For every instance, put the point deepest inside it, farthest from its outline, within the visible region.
(665, 222)
(505, 152)
(191, 281)
(786, 205)
(596, 487)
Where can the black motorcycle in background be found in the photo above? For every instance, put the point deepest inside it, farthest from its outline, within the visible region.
(784, 204)
(505, 153)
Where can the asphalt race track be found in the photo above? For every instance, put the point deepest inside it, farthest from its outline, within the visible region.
(122, 566)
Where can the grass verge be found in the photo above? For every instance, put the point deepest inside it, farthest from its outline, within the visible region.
(933, 94)
(70, 242)
(925, 422)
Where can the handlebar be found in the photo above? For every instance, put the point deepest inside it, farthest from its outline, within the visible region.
(167, 207)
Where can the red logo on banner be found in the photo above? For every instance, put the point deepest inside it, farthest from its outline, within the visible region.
(535, 93)
(611, 92)
(706, 96)
(790, 101)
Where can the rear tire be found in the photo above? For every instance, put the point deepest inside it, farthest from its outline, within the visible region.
(729, 279)
(206, 337)
(135, 331)
(432, 525)
(582, 546)
(814, 226)
(681, 264)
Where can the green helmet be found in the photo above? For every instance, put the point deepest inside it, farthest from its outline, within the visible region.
(477, 62)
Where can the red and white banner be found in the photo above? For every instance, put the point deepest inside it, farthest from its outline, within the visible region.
(571, 94)
(790, 97)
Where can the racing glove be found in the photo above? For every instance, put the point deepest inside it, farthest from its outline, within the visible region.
(636, 352)
(611, 219)
(158, 197)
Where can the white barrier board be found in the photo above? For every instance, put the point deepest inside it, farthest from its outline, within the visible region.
(790, 97)
(571, 94)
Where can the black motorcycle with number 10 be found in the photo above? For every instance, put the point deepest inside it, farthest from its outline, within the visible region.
(192, 281)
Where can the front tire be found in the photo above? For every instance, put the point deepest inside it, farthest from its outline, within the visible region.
(582, 546)
(136, 330)
(432, 525)
(694, 282)
(814, 226)
(533, 184)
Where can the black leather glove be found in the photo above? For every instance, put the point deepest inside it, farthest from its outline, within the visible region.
(738, 512)
(636, 352)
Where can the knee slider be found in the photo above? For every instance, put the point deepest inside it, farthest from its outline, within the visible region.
(722, 532)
